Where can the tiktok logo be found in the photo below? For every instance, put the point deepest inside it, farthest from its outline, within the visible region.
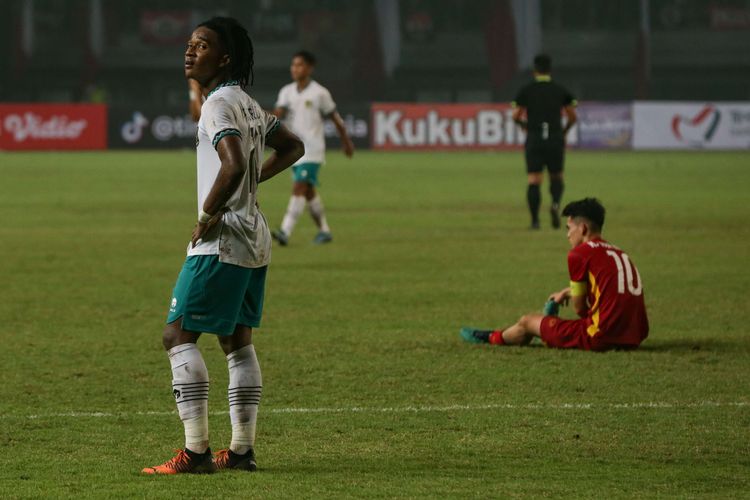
(132, 131)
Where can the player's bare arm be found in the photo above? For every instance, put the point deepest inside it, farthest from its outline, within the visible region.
(576, 297)
(346, 143)
(227, 181)
(288, 148)
(571, 117)
(562, 297)
(518, 114)
(580, 305)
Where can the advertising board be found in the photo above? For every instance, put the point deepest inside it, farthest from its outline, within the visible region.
(53, 126)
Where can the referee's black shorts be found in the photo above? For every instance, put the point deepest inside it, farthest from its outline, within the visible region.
(550, 155)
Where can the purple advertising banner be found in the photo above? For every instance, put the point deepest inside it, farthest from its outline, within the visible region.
(605, 125)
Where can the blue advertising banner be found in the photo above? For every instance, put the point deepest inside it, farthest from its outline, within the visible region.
(605, 125)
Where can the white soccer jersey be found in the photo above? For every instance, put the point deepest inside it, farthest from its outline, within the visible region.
(305, 113)
(242, 237)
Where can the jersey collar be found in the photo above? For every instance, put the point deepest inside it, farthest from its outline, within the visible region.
(228, 83)
(296, 87)
(543, 78)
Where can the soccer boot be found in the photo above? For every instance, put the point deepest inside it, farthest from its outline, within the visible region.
(227, 459)
(281, 237)
(185, 462)
(554, 212)
(475, 336)
(323, 237)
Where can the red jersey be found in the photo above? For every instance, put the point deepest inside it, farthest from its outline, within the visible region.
(617, 313)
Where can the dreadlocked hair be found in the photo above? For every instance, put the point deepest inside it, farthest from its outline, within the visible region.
(238, 45)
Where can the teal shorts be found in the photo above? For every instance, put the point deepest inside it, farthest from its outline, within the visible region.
(306, 172)
(214, 297)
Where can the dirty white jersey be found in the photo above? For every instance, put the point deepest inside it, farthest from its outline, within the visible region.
(305, 116)
(242, 237)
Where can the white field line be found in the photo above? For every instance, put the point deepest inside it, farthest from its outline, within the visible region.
(651, 405)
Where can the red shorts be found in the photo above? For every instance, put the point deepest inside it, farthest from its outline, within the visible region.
(572, 334)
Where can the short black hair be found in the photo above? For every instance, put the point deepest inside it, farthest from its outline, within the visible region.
(306, 56)
(590, 209)
(238, 45)
(542, 63)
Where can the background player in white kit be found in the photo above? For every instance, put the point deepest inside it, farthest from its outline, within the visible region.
(220, 289)
(304, 105)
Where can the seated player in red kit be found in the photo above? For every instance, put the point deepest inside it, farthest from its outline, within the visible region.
(605, 290)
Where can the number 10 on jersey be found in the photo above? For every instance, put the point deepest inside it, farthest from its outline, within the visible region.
(625, 274)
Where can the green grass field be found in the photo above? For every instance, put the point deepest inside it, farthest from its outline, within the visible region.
(368, 391)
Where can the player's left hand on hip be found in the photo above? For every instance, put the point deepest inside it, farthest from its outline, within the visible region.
(198, 231)
(201, 229)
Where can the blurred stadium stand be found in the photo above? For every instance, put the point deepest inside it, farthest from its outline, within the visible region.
(128, 53)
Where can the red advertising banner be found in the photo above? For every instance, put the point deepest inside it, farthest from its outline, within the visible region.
(402, 126)
(53, 126)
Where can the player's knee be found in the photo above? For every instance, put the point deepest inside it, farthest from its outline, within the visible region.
(241, 337)
(167, 339)
(170, 337)
(535, 180)
(228, 344)
(524, 321)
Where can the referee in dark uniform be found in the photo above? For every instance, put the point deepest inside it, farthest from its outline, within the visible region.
(537, 109)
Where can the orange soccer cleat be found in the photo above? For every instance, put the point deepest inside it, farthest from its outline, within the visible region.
(185, 462)
(227, 459)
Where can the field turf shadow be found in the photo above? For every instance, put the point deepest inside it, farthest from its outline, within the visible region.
(692, 345)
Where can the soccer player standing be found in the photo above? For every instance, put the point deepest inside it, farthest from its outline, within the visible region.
(220, 289)
(541, 103)
(605, 288)
(304, 104)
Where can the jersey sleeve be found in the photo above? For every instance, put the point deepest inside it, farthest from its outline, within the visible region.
(521, 100)
(576, 267)
(219, 120)
(271, 122)
(327, 106)
(282, 101)
(569, 99)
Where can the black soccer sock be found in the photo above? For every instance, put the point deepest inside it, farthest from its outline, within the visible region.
(534, 198)
(556, 188)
